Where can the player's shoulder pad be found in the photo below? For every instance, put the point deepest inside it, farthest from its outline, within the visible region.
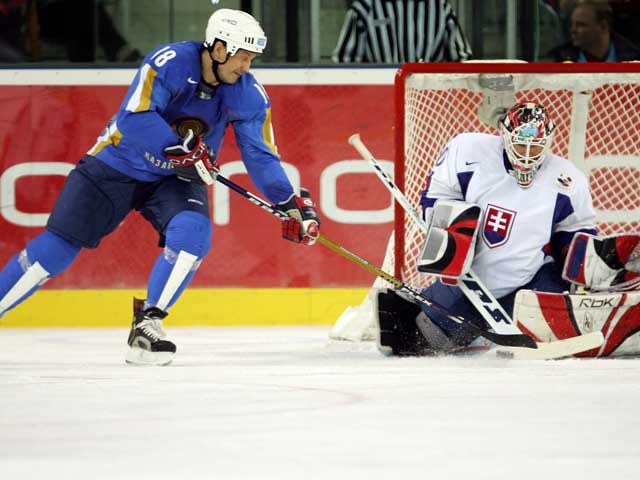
(175, 62)
(247, 95)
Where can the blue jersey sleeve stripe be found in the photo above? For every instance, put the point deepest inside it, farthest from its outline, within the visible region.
(140, 100)
(267, 132)
(113, 139)
(110, 136)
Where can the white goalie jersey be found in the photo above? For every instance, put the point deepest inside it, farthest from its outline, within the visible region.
(519, 227)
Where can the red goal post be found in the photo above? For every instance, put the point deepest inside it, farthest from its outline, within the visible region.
(596, 107)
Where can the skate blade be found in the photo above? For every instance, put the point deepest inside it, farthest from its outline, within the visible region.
(140, 357)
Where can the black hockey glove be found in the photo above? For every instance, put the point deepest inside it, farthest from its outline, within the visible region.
(192, 161)
(304, 224)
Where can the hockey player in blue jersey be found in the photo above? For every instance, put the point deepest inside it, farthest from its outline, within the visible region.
(157, 156)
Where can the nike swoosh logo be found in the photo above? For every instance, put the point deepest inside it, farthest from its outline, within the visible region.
(470, 163)
(191, 80)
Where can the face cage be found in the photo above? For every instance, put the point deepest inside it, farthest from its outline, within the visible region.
(525, 166)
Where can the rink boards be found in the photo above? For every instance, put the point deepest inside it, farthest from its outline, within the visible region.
(52, 117)
(197, 307)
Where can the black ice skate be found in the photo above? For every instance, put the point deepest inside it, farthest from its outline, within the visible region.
(148, 344)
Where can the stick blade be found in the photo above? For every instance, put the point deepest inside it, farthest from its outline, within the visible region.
(515, 340)
(554, 350)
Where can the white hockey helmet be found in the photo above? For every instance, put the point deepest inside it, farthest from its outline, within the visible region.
(237, 29)
(527, 132)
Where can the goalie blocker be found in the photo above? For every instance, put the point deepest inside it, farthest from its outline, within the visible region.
(449, 246)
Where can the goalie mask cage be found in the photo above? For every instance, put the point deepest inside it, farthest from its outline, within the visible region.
(596, 108)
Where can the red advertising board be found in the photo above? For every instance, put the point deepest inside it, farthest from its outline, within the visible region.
(47, 128)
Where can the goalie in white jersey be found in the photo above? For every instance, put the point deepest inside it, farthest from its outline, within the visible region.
(532, 203)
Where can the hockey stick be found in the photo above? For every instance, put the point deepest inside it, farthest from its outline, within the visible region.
(508, 340)
(472, 287)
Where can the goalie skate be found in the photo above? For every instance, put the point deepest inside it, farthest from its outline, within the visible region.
(148, 344)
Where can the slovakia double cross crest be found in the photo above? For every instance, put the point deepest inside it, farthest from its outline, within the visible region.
(497, 225)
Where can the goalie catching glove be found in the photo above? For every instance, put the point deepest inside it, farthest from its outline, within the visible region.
(604, 263)
(192, 161)
(304, 224)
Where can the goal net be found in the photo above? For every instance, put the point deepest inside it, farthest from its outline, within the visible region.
(596, 110)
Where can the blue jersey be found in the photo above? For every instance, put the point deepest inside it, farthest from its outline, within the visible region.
(167, 98)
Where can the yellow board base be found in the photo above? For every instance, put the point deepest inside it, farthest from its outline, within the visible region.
(196, 307)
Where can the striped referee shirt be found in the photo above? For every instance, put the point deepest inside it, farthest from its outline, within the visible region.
(401, 31)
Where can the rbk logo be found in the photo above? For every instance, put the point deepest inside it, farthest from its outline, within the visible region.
(497, 225)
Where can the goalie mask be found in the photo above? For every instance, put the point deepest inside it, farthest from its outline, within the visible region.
(237, 29)
(527, 132)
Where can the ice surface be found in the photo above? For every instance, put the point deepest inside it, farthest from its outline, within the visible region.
(283, 403)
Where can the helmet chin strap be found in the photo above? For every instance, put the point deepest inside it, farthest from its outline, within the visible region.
(215, 65)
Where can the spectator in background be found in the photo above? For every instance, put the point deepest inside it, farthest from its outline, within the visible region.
(563, 9)
(31, 30)
(401, 31)
(550, 30)
(13, 30)
(593, 38)
(81, 26)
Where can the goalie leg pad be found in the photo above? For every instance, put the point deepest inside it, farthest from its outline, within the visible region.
(399, 333)
(552, 316)
(406, 330)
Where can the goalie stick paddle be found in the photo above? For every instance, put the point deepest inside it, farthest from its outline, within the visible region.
(507, 340)
(554, 350)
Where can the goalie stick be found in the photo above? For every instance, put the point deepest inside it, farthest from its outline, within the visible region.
(516, 345)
